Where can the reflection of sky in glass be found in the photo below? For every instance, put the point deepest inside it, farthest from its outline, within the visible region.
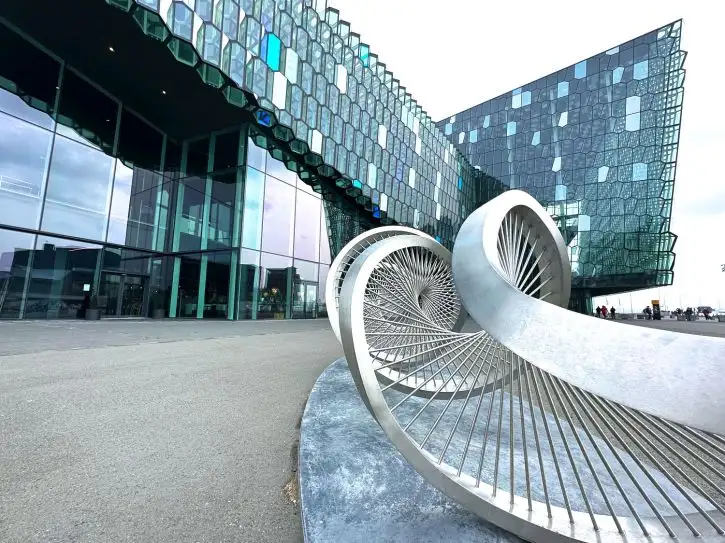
(120, 202)
(307, 227)
(279, 211)
(252, 219)
(24, 151)
(15, 105)
(11, 241)
(79, 183)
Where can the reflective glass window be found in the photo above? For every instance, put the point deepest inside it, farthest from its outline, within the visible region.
(24, 155)
(276, 281)
(562, 89)
(307, 227)
(256, 156)
(321, 306)
(279, 217)
(188, 292)
(79, 186)
(641, 70)
(139, 208)
(216, 288)
(248, 281)
(86, 114)
(221, 212)
(639, 171)
(253, 208)
(580, 70)
(191, 225)
(62, 276)
(25, 92)
(325, 252)
(304, 291)
(277, 169)
(15, 251)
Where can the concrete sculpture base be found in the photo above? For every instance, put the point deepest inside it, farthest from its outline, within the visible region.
(356, 486)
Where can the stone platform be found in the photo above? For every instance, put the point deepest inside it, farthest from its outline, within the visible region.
(356, 486)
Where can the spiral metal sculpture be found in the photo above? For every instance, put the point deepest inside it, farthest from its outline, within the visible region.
(552, 425)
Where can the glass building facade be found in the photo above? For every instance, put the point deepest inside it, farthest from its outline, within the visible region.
(596, 143)
(208, 158)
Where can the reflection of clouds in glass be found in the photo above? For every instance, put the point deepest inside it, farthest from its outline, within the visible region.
(24, 151)
(79, 175)
(279, 211)
(121, 198)
(252, 218)
(307, 227)
(15, 105)
(78, 188)
(10, 242)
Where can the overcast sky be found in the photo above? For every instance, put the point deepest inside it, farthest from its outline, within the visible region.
(455, 54)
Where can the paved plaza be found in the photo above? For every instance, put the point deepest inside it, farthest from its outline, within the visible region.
(154, 430)
(699, 327)
(161, 430)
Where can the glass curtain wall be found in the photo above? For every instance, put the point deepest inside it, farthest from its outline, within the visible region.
(99, 207)
(84, 194)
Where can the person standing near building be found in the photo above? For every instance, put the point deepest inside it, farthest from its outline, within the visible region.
(612, 312)
(599, 311)
(604, 311)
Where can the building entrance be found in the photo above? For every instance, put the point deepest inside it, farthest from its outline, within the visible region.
(305, 302)
(122, 295)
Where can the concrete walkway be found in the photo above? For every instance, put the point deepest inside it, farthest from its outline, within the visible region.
(153, 430)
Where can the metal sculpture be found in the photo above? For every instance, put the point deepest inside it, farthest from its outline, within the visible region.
(530, 422)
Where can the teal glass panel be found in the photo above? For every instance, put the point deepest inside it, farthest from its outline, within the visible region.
(271, 51)
(253, 207)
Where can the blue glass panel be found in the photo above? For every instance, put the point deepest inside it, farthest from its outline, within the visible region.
(511, 128)
(641, 69)
(460, 183)
(264, 118)
(617, 75)
(639, 171)
(580, 70)
(562, 89)
(356, 183)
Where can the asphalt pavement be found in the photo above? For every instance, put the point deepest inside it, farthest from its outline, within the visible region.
(154, 430)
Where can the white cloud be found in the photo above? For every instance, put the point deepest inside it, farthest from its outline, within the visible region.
(458, 54)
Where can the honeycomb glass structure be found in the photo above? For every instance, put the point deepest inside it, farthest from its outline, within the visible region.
(596, 143)
(208, 158)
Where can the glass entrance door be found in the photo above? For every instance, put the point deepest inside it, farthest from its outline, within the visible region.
(304, 305)
(122, 295)
(310, 301)
(132, 300)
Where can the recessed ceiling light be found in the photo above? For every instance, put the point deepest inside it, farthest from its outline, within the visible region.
(111, 49)
(163, 91)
